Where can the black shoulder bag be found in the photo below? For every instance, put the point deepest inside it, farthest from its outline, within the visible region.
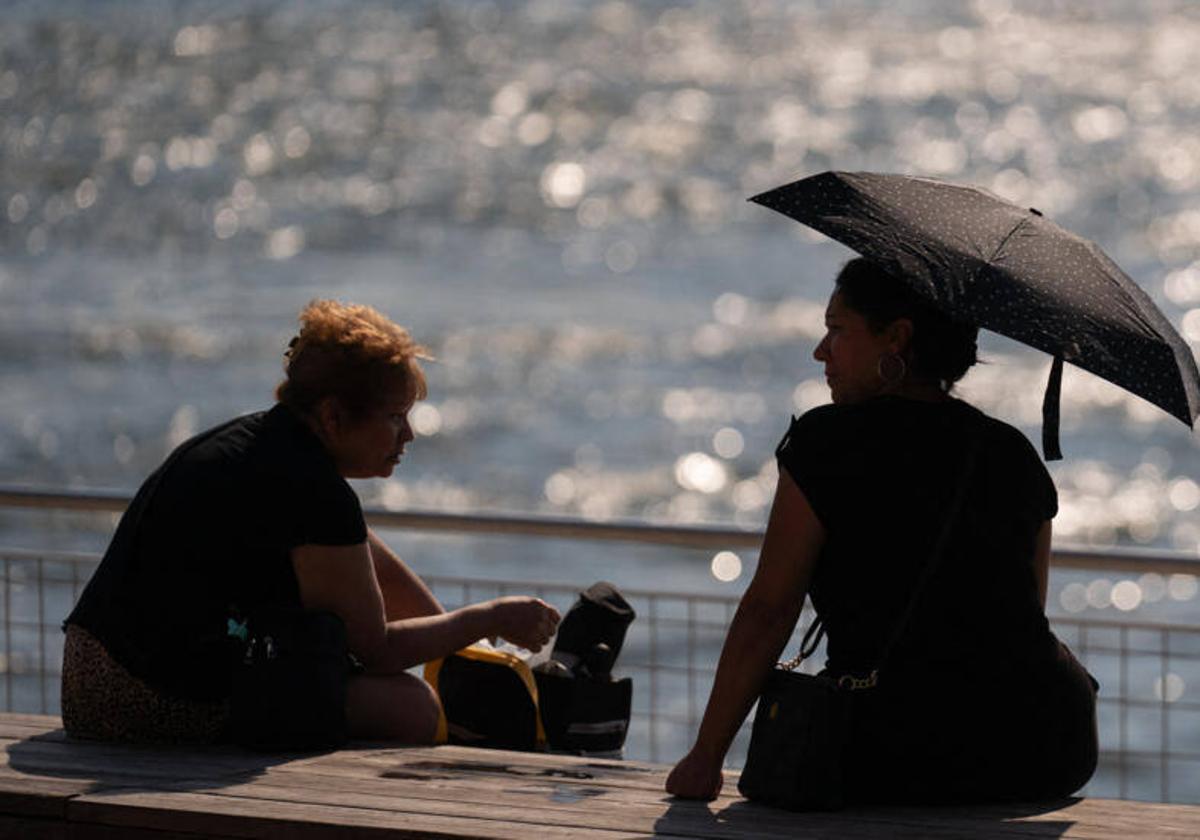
(798, 741)
(289, 680)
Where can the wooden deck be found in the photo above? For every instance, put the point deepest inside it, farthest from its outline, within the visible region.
(51, 787)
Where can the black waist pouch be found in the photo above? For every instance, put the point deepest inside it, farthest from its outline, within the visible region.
(289, 683)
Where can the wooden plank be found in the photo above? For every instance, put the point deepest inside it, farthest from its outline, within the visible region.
(27, 795)
(739, 820)
(445, 780)
(478, 787)
(1122, 819)
(47, 722)
(1092, 818)
(21, 729)
(100, 760)
(1088, 818)
(435, 762)
(208, 813)
(374, 790)
(533, 817)
(497, 789)
(35, 829)
(32, 795)
(254, 817)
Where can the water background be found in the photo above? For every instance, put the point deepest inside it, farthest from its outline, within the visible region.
(551, 195)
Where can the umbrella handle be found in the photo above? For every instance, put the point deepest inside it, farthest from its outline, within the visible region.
(1050, 412)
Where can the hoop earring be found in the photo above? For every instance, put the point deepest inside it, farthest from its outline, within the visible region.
(891, 369)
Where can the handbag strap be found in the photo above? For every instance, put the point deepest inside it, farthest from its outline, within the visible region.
(816, 630)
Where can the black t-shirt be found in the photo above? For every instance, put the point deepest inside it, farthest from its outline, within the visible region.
(209, 536)
(880, 476)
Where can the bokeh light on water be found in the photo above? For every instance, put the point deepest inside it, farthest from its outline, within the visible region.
(552, 196)
(726, 566)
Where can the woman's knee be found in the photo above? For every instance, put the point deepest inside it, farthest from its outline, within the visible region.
(396, 707)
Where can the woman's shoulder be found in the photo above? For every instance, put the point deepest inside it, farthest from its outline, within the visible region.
(855, 419)
(1004, 436)
(1014, 465)
(834, 419)
(830, 440)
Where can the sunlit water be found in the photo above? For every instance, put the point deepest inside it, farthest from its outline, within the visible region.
(551, 195)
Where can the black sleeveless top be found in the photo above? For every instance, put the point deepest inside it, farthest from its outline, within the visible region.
(880, 476)
(978, 700)
(209, 534)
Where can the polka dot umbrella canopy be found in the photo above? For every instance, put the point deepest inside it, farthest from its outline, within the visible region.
(1007, 269)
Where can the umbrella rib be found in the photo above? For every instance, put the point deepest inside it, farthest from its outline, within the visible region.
(1000, 247)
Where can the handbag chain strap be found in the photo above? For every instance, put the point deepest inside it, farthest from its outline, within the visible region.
(816, 630)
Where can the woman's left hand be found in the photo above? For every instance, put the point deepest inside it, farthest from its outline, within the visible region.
(696, 776)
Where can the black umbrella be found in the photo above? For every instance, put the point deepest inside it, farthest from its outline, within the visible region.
(1006, 268)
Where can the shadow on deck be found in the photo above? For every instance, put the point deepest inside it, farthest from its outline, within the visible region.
(51, 787)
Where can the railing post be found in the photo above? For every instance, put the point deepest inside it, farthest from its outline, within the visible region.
(41, 629)
(1123, 717)
(8, 634)
(691, 664)
(653, 728)
(1164, 722)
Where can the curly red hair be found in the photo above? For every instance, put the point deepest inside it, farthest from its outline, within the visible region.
(352, 353)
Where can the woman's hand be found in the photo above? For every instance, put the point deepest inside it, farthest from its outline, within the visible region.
(524, 621)
(696, 776)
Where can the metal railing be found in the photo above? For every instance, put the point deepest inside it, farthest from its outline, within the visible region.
(111, 501)
(1150, 672)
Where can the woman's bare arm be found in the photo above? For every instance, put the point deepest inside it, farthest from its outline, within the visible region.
(342, 579)
(761, 627)
(1041, 560)
(404, 594)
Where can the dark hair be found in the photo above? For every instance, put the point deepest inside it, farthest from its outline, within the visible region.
(942, 348)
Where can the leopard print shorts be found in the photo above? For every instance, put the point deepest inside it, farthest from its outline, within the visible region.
(102, 700)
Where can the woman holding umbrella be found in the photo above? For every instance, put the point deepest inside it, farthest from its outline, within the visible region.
(975, 698)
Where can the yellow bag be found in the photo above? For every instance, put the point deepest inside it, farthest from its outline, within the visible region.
(489, 699)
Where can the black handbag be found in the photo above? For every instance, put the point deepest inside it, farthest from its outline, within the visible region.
(289, 680)
(798, 742)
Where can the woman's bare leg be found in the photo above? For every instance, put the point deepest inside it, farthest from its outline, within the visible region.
(396, 707)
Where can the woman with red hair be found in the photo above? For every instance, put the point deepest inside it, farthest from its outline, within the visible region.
(254, 515)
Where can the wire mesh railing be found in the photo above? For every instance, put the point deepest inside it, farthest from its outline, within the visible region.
(1149, 715)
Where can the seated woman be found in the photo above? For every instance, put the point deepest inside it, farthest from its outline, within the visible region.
(977, 699)
(256, 514)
